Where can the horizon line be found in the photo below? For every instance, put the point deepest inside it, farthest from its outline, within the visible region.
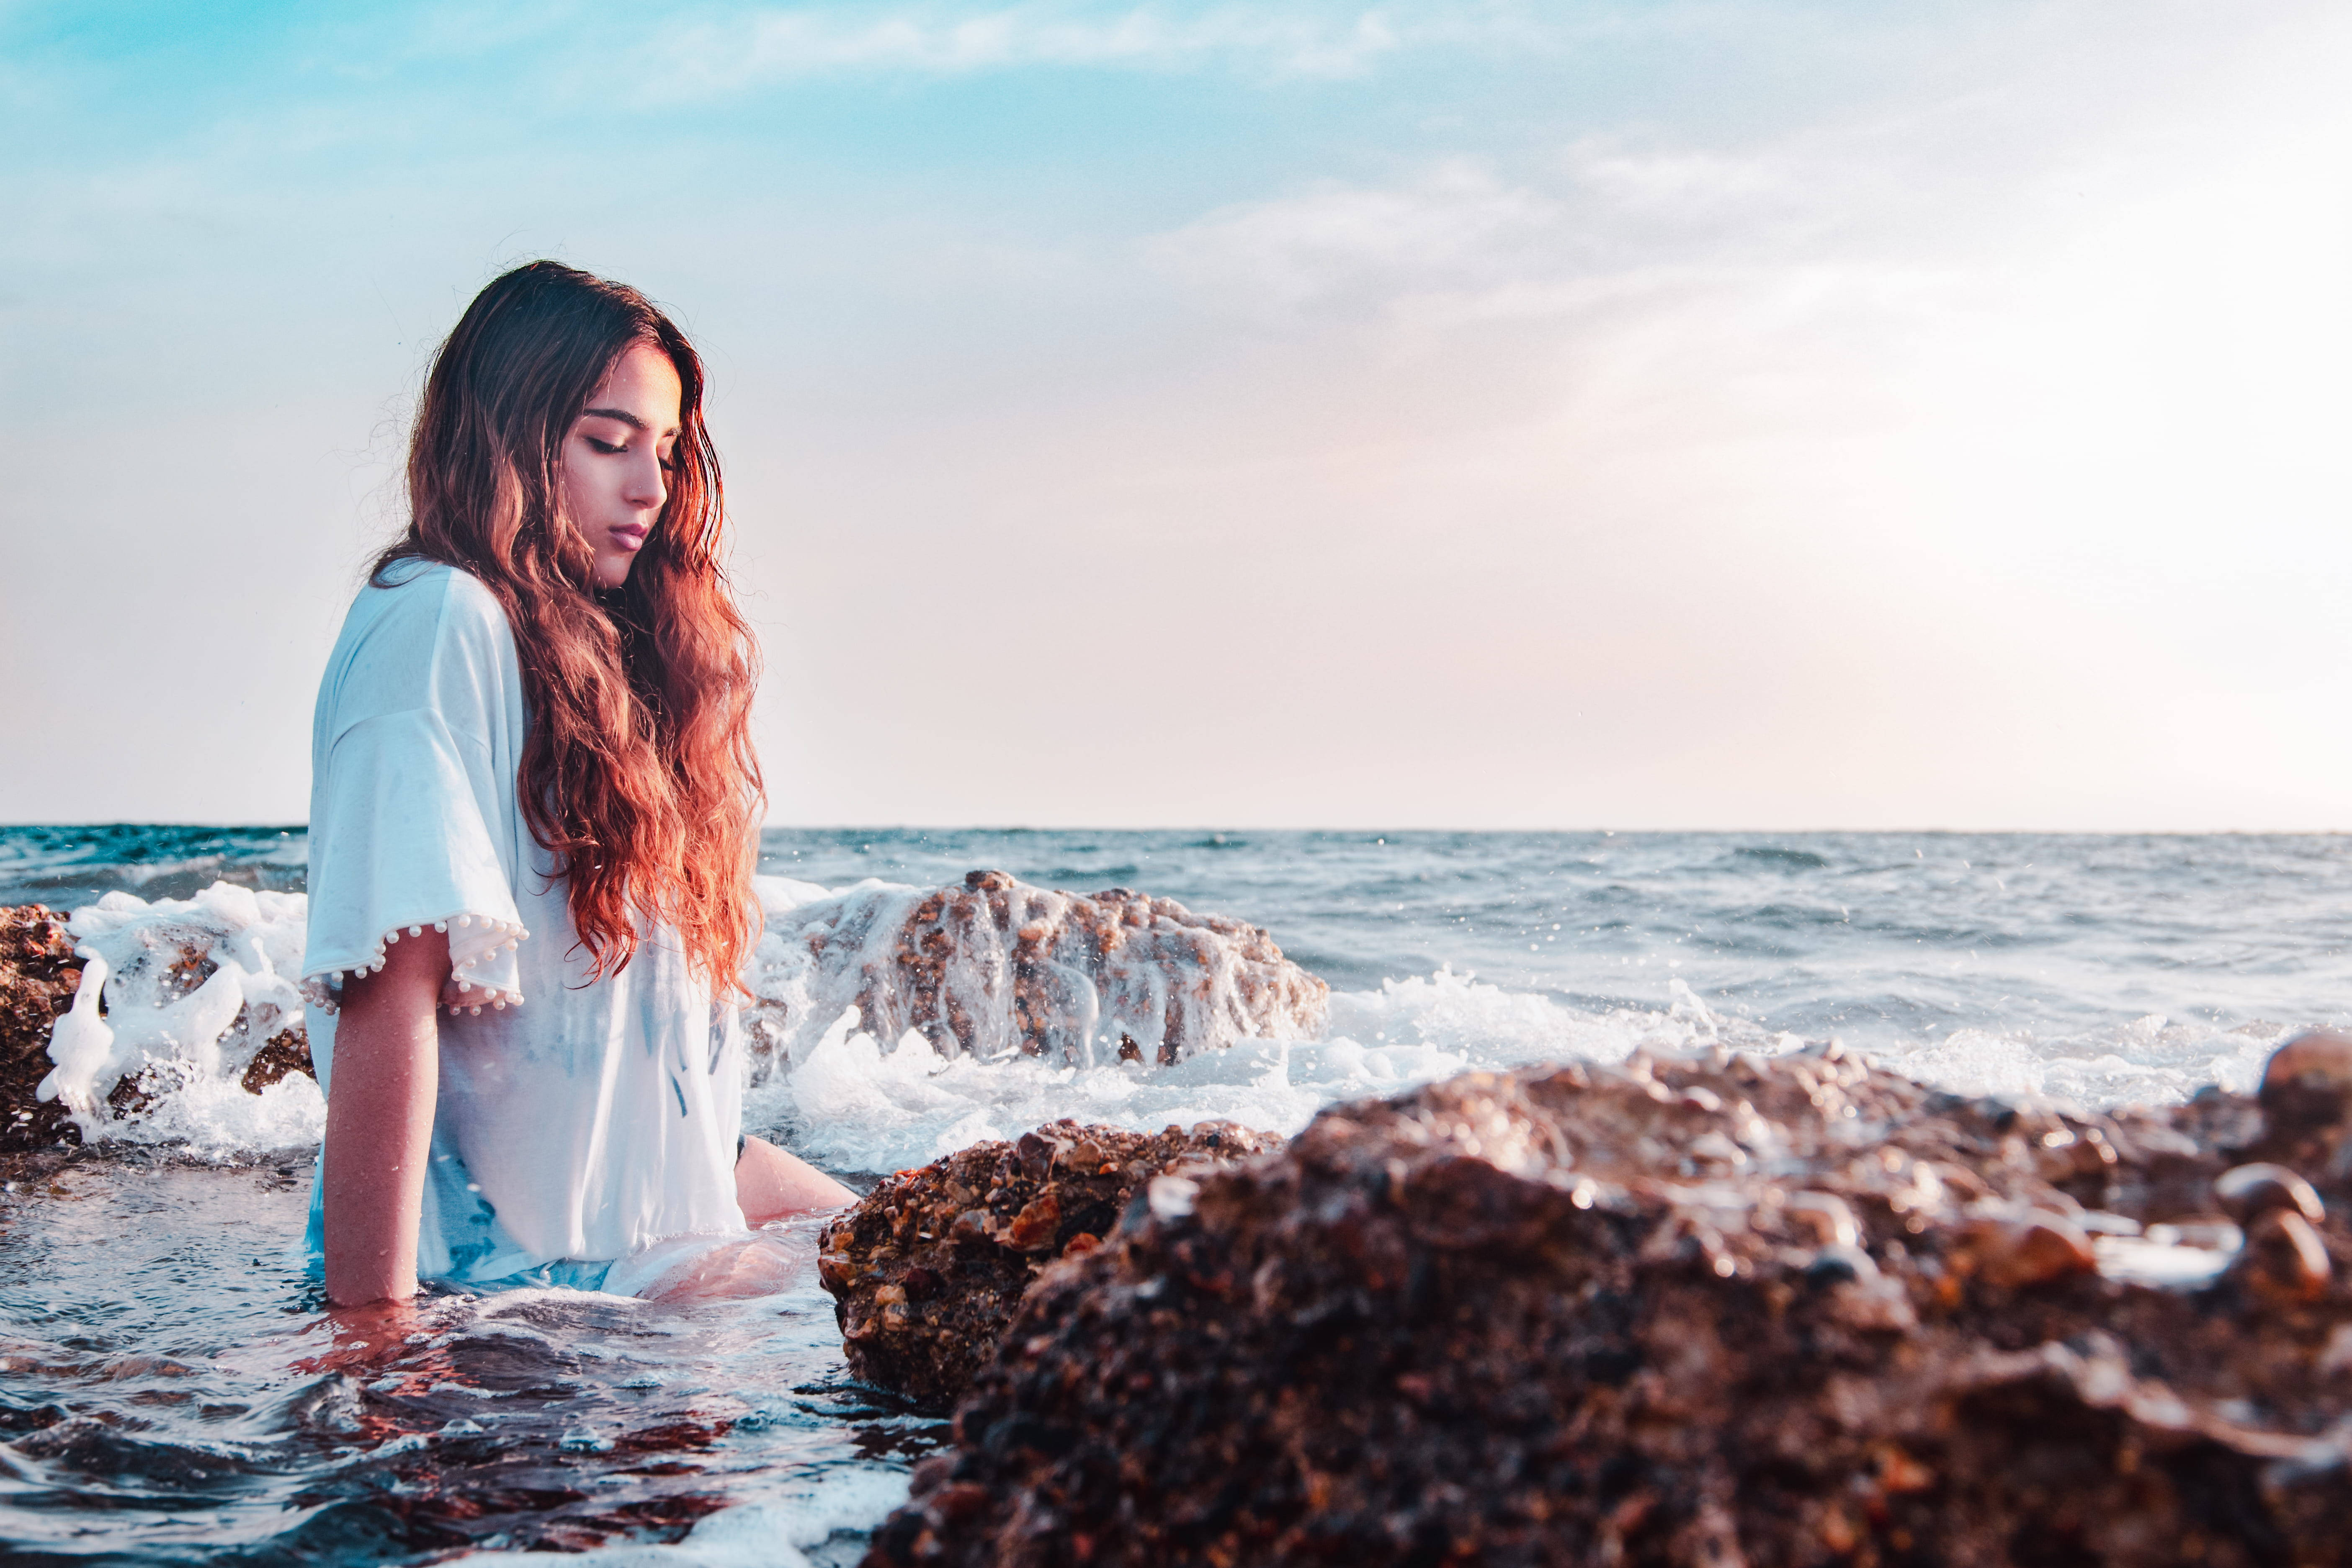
(304, 827)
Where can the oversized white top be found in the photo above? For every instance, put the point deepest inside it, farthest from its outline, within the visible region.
(578, 1123)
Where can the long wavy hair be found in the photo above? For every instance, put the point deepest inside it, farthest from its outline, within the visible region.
(637, 772)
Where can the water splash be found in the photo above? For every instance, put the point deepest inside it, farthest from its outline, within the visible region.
(193, 991)
(195, 988)
(995, 968)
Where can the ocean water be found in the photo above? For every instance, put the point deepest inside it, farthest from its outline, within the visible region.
(171, 1393)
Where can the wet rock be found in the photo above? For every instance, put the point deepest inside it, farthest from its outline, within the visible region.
(1536, 1318)
(2308, 1081)
(2283, 1261)
(1828, 1216)
(2168, 1158)
(2036, 1247)
(997, 967)
(2306, 1113)
(926, 1269)
(38, 973)
(2246, 1191)
(282, 1055)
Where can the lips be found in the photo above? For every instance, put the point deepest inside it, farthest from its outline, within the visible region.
(630, 537)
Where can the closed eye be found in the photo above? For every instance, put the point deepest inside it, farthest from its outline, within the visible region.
(609, 449)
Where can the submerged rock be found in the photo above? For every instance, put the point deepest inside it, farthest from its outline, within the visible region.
(997, 967)
(1722, 1311)
(38, 973)
(926, 1269)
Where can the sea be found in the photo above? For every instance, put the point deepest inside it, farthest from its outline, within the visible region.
(171, 1390)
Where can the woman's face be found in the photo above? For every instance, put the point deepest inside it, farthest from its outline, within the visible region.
(615, 464)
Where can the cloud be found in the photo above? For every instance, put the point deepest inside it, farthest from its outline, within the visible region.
(1758, 413)
(2032, 413)
(757, 45)
(1461, 242)
(1350, 250)
(1662, 295)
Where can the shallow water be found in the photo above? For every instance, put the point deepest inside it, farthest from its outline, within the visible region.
(171, 1394)
(160, 1393)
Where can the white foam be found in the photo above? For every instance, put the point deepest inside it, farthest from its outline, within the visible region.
(195, 1042)
(2151, 1061)
(770, 1532)
(853, 1103)
(856, 1102)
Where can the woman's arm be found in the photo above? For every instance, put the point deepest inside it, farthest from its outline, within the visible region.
(387, 1069)
(770, 1183)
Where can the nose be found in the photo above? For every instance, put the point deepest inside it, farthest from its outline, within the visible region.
(646, 486)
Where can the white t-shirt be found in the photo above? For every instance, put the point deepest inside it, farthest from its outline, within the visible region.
(578, 1123)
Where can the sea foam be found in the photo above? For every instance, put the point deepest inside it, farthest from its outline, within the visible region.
(193, 987)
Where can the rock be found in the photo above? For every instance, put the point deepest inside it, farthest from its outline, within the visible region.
(2245, 1190)
(1541, 1318)
(2283, 1262)
(282, 1055)
(2032, 1249)
(38, 973)
(1829, 1217)
(2308, 1081)
(926, 1270)
(996, 967)
(2168, 1159)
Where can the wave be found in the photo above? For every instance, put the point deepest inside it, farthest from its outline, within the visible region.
(1773, 855)
(195, 988)
(179, 999)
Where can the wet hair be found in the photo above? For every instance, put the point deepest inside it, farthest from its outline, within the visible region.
(637, 772)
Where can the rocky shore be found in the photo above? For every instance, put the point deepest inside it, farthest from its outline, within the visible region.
(1720, 1311)
(927, 1271)
(39, 974)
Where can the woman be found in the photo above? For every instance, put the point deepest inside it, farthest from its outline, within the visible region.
(533, 798)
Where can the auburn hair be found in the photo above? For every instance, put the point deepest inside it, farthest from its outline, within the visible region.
(637, 772)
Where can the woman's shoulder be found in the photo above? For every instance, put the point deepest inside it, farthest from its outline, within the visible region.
(421, 635)
(431, 601)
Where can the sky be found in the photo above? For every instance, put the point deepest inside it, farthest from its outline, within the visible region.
(1753, 414)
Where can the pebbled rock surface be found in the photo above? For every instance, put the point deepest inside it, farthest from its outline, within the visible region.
(1725, 1312)
(38, 973)
(926, 1269)
(996, 967)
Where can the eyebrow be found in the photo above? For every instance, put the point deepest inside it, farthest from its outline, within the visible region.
(622, 414)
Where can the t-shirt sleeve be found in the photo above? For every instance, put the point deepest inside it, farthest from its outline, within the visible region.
(410, 804)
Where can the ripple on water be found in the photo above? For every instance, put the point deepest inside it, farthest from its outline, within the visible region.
(169, 1393)
(162, 1396)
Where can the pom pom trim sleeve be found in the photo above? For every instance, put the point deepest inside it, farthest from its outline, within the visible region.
(403, 838)
(475, 940)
